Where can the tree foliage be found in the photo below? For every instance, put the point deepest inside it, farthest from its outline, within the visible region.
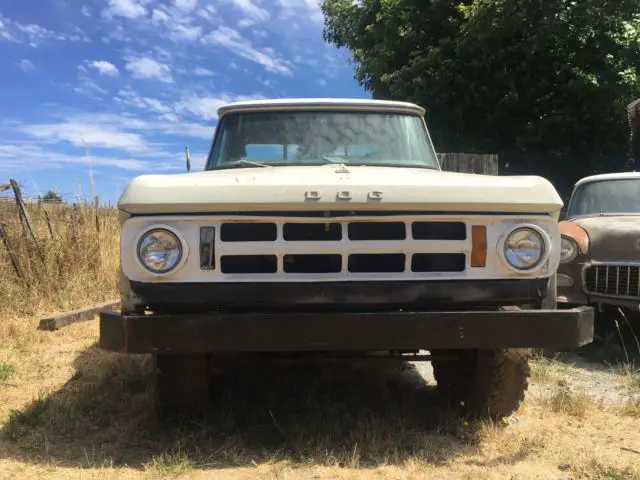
(544, 84)
(52, 197)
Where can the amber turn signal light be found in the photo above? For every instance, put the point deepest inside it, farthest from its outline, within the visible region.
(478, 245)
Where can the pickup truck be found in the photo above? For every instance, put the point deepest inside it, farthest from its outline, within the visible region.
(327, 227)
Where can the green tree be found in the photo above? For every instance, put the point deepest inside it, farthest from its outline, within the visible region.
(544, 84)
(52, 197)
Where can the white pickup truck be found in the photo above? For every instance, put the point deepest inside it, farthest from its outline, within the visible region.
(327, 227)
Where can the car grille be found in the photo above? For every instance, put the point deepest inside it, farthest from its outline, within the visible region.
(334, 246)
(619, 280)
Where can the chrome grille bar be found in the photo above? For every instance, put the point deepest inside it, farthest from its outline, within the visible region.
(613, 279)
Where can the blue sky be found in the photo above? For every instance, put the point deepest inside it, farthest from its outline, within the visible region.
(111, 89)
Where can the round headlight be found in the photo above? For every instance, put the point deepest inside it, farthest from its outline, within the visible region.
(568, 249)
(159, 251)
(524, 248)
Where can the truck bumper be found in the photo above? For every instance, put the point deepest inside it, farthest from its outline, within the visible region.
(309, 332)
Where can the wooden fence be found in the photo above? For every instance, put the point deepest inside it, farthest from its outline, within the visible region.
(32, 225)
(485, 164)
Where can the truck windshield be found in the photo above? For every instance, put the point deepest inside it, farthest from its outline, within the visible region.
(606, 197)
(320, 137)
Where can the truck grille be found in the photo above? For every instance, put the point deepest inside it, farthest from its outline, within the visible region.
(618, 280)
(336, 246)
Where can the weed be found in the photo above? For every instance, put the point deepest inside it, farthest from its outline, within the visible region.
(594, 470)
(564, 401)
(170, 464)
(6, 370)
(631, 408)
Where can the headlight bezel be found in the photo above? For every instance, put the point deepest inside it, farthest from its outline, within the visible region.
(546, 248)
(574, 246)
(182, 244)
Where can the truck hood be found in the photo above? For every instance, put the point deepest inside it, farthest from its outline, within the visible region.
(612, 238)
(318, 187)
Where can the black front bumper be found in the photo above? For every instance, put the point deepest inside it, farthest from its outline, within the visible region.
(355, 296)
(345, 331)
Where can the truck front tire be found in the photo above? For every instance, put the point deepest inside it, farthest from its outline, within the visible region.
(484, 383)
(182, 383)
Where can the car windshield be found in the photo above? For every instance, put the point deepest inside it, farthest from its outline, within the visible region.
(606, 197)
(320, 137)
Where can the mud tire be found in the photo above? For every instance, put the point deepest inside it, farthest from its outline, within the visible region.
(485, 384)
(182, 384)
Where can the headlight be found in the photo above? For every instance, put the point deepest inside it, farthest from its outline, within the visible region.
(568, 249)
(524, 248)
(159, 251)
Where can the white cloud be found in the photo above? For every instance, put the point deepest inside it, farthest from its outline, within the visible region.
(206, 107)
(208, 12)
(105, 68)
(178, 25)
(34, 34)
(126, 8)
(86, 10)
(185, 5)
(14, 156)
(159, 16)
(229, 38)
(81, 134)
(185, 32)
(170, 117)
(4, 33)
(90, 88)
(25, 65)
(202, 72)
(131, 98)
(146, 67)
(305, 9)
(251, 10)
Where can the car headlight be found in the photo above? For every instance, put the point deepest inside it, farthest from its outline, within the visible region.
(568, 249)
(524, 248)
(159, 250)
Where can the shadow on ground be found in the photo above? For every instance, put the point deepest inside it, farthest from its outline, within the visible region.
(616, 343)
(308, 414)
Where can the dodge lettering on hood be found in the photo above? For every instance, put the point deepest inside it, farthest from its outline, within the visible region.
(326, 227)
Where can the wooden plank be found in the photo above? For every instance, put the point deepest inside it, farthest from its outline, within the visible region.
(484, 164)
(59, 320)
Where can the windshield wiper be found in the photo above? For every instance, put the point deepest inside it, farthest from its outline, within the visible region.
(244, 163)
(333, 159)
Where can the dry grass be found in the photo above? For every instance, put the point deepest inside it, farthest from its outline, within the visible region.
(71, 410)
(59, 272)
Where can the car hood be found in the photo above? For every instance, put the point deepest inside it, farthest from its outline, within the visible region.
(318, 187)
(612, 238)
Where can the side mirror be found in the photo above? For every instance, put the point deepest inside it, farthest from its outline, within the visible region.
(187, 157)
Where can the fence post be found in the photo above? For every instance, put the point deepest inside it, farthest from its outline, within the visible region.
(22, 211)
(12, 254)
(47, 219)
(74, 227)
(97, 213)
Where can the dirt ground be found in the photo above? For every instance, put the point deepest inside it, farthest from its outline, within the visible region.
(70, 410)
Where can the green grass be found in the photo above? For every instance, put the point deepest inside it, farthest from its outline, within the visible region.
(6, 371)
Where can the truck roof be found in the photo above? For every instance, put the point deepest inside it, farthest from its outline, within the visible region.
(316, 103)
(608, 176)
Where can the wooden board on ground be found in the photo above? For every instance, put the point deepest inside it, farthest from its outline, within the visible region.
(59, 320)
